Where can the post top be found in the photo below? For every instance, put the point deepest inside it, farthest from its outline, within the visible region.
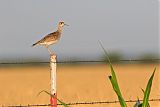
(53, 57)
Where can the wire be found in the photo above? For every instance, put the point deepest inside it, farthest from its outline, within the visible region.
(82, 103)
(84, 61)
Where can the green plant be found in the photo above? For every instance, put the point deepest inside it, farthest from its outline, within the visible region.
(115, 86)
(147, 91)
(61, 102)
(113, 80)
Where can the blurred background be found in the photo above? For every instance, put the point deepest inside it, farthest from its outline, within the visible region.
(125, 27)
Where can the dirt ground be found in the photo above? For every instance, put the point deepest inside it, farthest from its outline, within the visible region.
(77, 83)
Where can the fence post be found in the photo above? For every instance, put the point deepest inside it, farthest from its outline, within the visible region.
(53, 100)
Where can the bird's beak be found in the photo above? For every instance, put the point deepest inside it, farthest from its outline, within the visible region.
(66, 24)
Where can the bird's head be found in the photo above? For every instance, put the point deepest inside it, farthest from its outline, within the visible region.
(61, 24)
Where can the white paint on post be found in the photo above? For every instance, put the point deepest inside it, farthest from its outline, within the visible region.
(53, 74)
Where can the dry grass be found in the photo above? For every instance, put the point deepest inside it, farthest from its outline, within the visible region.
(76, 83)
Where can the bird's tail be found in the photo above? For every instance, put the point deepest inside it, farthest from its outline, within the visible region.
(34, 44)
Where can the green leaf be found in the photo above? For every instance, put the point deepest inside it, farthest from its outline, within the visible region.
(113, 80)
(64, 104)
(147, 91)
(115, 87)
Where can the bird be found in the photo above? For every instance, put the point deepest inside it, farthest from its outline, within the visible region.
(51, 38)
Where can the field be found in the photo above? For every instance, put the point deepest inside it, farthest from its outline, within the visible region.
(76, 83)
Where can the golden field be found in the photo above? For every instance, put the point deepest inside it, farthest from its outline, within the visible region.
(77, 83)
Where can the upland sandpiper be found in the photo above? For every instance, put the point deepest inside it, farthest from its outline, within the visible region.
(51, 38)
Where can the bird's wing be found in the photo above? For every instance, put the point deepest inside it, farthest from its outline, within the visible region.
(50, 37)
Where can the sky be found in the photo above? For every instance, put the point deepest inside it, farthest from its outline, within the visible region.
(126, 26)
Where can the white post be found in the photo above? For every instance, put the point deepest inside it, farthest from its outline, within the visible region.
(53, 65)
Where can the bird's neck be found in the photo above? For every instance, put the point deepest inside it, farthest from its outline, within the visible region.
(59, 29)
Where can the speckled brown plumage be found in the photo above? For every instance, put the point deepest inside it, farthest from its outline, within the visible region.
(55, 36)
(51, 38)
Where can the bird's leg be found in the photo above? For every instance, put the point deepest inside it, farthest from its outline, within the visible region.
(48, 49)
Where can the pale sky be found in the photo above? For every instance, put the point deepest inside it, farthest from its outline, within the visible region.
(128, 26)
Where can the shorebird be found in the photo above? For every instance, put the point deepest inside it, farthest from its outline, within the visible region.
(51, 38)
